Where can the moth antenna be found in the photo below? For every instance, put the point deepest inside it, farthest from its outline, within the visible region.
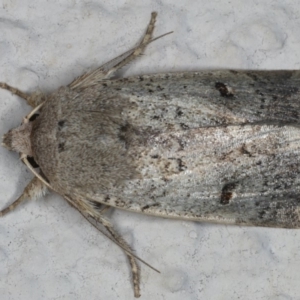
(14, 91)
(32, 99)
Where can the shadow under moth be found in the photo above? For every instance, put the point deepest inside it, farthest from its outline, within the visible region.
(214, 146)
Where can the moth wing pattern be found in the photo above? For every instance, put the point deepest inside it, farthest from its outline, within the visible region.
(215, 146)
(208, 149)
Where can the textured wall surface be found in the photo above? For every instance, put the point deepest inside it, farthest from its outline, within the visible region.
(47, 250)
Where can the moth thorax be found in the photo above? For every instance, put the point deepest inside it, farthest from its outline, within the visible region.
(18, 139)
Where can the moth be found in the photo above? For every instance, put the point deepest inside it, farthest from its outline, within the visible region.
(214, 146)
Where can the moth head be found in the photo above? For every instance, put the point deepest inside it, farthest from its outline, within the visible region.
(18, 139)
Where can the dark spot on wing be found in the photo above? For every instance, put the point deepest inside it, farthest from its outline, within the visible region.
(179, 112)
(227, 192)
(245, 151)
(165, 96)
(224, 90)
(144, 208)
(107, 198)
(61, 124)
(181, 166)
(155, 118)
(184, 126)
(261, 214)
(61, 147)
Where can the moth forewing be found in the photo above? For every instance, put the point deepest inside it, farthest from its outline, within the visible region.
(214, 146)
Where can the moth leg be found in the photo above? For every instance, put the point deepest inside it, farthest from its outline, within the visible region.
(88, 212)
(109, 68)
(120, 241)
(118, 238)
(132, 261)
(33, 190)
(33, 99)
